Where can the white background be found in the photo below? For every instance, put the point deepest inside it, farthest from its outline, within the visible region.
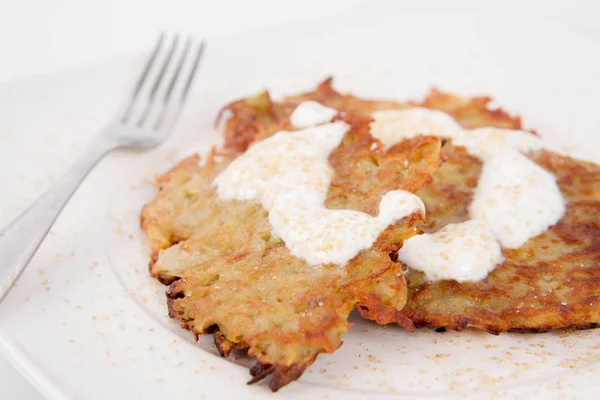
(41, 36)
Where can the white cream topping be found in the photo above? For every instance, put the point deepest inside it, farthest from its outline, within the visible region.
(311, 113)
(515, 199)
(487, 143)
(289, 174)
(391, 126)
(437, 256)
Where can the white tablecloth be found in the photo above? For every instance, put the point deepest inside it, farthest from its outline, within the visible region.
(40, 36)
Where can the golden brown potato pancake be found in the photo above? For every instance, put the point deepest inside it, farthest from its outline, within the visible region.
(231, 277)
(551, 282)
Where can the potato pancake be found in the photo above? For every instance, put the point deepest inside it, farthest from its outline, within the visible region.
(550, 282)
(231, 277)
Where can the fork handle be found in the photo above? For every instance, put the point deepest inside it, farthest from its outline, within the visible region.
(22, 237)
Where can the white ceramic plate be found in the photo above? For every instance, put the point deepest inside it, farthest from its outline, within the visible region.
(87, 322)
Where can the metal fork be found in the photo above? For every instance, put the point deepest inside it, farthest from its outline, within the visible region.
(147, 118)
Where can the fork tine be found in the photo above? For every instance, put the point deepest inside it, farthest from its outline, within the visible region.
(185, 89)
(188, 84)
(142, 78)
(159, 79)
(173, 82)
(177, 70)
(164, 66)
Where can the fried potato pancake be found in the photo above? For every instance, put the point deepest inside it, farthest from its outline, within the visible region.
(231, 277)
(551, 282)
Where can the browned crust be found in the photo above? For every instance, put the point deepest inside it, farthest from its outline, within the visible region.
(471, 112)
(258, 117)
(281, 375)
(225, 346)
